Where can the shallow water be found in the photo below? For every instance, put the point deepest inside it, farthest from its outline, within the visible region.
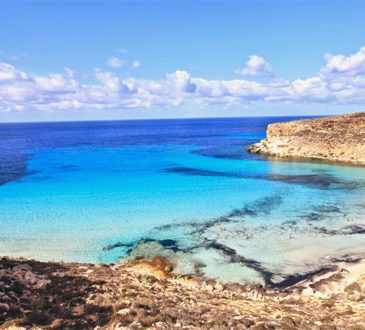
(102, 191)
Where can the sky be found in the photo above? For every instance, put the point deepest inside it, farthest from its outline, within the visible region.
(91, 60)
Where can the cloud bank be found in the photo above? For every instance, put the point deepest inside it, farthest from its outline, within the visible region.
(340, 81)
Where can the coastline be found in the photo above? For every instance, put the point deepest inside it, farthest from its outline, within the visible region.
(342, 275)
(146, 293)
(152, 291)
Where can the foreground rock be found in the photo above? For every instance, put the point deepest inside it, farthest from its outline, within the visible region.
(146, 294)
(336, 138)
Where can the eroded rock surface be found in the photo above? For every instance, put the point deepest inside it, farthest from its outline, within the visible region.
(144, 293)
(336, 138)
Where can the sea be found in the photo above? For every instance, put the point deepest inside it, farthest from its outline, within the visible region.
(107, 191)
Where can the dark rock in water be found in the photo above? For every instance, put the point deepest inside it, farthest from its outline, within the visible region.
(199, 264)
(347, 230)
(322, 181)
(166, 243)
(312, 216)
(294, 279)
(116, 245)
(201, 172)
(169, 243)
(261, 206)
(353, 229)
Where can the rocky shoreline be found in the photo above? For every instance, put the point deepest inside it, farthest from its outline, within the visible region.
(335, 139)
(145, 293)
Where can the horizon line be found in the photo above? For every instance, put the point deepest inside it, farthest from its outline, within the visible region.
(152, 119)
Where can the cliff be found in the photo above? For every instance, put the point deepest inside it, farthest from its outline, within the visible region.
(336, 138)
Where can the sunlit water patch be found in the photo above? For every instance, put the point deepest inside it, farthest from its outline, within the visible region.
(185, 189)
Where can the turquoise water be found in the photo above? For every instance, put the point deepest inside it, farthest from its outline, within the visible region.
(168, 187)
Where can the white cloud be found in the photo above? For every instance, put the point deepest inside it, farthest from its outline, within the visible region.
(340, 81)
(256, 66)
(136, 64)
(352, 65)
(115, 62)
(9, 73)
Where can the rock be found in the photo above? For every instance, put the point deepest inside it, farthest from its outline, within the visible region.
(168, 268)
(209, 288)
(234, 287)
(336, 138)
(353, 287)
(23, 267)
(124, 311)
(308, 292)
(289, 320)
(56, 324)
(321, 295)
(219, 286)
(211, 282)
(42, 284)
(30, 277)
(102, 264)
(61, 274)
(4, 307)
(131, 298)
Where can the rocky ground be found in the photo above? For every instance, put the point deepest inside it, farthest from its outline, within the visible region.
(146, 294)
(336, 138)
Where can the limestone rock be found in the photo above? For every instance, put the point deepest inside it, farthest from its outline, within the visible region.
(43, 284)
(134, 297)
(336, 138)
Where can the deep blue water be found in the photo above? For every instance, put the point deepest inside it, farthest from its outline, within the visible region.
(104, 191)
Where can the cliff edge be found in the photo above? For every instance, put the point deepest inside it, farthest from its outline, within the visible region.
(336, 138)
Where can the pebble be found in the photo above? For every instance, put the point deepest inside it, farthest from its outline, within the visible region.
(33, 278)
(58, 274)
(4, 306)
(124, 311)
(42, 284)
(308, 292)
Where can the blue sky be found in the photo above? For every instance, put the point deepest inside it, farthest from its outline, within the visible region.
(117, 56)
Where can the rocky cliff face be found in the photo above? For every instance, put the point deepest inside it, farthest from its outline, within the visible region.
(336, 138)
